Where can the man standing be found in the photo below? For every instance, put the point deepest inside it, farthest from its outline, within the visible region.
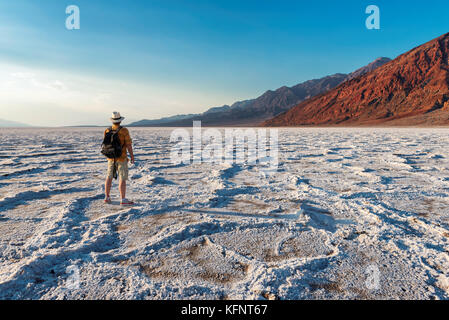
(119, 164)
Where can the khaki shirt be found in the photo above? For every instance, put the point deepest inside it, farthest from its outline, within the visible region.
(125, 140)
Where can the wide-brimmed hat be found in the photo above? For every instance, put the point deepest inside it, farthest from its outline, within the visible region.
(116, 117)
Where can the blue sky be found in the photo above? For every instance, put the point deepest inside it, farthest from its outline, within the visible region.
(150, 59)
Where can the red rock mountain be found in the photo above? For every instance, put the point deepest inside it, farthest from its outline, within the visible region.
(413, 89)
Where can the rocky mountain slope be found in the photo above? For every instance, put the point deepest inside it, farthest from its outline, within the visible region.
(413, 89)
(268, 105)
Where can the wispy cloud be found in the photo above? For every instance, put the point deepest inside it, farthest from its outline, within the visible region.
(67, 98)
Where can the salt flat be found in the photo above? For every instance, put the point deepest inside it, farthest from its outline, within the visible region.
(350, 214)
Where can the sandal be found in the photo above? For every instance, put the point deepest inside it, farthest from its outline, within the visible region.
(126, 202)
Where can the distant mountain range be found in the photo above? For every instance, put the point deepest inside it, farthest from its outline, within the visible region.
(267, 106)
(11, 124)
(413, 89)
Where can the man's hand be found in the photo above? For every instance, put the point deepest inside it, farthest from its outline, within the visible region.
(132, 159)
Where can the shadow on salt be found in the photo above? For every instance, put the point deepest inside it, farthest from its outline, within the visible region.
(322, 219)
(318, 218)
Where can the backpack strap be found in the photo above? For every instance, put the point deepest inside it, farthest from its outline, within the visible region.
(115, 131)
(107, 130)
(120, 128)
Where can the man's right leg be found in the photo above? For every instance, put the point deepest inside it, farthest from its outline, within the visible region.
(123, 174)
(122, 188)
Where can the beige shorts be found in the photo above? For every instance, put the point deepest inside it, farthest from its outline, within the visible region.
(122, 169)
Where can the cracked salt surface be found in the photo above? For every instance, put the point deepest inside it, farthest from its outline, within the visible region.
(343, 201)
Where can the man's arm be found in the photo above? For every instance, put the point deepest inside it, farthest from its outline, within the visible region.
(130, 151)
(129, 145)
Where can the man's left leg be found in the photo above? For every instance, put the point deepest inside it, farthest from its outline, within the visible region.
(108, 182)
(107, 187)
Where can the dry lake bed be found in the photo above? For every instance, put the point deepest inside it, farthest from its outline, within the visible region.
(349, 214)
